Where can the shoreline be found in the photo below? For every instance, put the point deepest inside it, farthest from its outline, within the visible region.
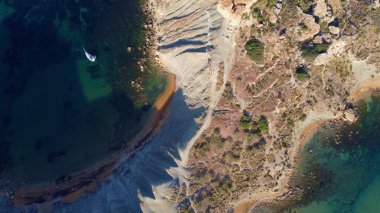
(87, 180)
(357, 94)
(76, 185)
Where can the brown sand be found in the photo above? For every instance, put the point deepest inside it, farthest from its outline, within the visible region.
(364, 90)
(357, 94)
(161, 108)
(88, 179)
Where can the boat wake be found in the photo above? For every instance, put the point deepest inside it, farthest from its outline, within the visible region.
(89, 56)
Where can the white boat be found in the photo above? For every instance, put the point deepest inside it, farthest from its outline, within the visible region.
(90, 57)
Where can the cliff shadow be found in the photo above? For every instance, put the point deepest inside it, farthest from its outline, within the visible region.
(147, 168)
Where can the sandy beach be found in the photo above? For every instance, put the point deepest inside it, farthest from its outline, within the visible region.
(76, 185)
(87, 180)
(364, 90)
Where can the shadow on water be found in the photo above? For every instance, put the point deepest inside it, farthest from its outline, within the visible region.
(146, 168)
(50, 120)
(139, 173)
(60, 113)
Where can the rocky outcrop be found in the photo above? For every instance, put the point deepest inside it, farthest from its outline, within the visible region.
(193, 40)
(195, 43)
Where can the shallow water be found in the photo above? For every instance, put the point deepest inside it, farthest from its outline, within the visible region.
(343, 177)
(59, 112)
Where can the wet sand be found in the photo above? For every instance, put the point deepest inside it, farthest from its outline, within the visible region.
(358, 93)
(74, 186)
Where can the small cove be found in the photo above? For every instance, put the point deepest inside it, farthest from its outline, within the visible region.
(59, 112)
(339, 168)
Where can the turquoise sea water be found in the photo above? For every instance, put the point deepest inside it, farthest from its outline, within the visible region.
(340, 168)
(60, 112)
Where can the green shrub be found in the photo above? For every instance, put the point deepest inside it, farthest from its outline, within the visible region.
(302, 76)
(228, 91)
(245, 122)
(226, 183)
(312, 51)
(235, 152)
(256, 147)
(290, 122)
(271, 3)
(216, 139)
(203, 148)
(255, 49)
(302, 73)
(254, 127)
(262, 125)
(305, 5)
(303, 26)
(256, 12)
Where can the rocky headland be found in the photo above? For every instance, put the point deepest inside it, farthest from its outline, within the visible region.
(268, 73)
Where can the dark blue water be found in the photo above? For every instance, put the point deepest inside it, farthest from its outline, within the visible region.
(60, 112)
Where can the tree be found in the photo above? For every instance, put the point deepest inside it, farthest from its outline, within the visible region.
(255, 49)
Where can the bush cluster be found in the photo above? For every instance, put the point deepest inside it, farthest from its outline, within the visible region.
(255, 49)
